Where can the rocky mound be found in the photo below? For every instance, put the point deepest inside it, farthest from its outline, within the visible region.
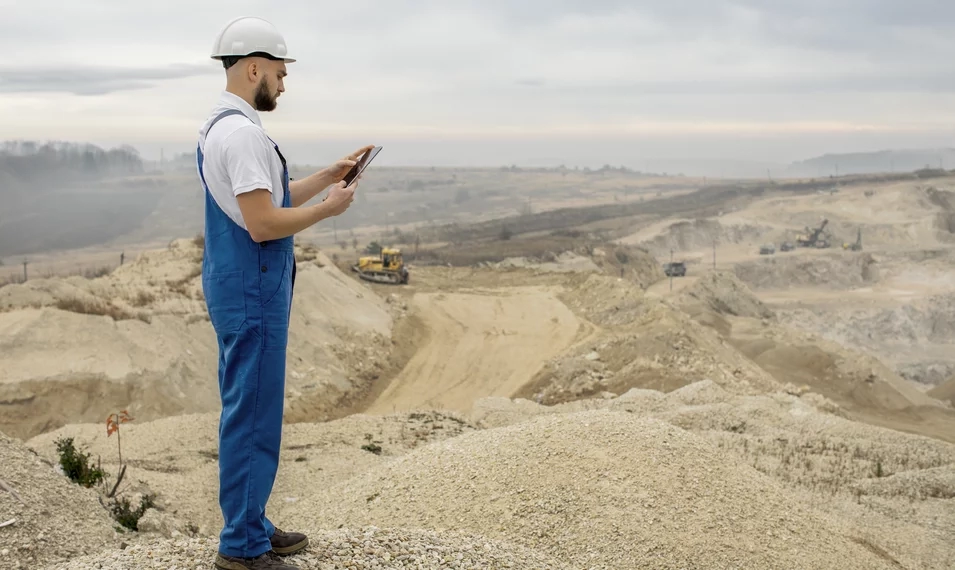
(184, 475)
(725, 294)
(642, 343)
(367, 548)
(45, 517)
(597, 489)
(915, 338)
(697, 234)
(944, 392)
(75, 350)
(829, 271)
(888, 490)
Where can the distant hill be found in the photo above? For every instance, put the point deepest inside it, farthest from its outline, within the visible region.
(61, 194)
(871, 162)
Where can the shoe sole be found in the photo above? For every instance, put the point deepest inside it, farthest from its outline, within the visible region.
(222, 564)
(291, 549)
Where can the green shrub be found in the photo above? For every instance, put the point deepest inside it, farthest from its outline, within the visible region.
(126, 516)
(77, 465)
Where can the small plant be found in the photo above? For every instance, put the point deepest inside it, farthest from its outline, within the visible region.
(143, 298)
(371, 446)
(76, 465)
(113, 421)
(126, 516)
(112, 426)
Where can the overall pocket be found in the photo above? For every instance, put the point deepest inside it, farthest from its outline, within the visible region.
(225, 300)
(276, 296)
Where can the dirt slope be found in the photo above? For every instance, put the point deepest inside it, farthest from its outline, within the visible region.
(944, 392)
(76, 349)
(53, 519)
(486, 343)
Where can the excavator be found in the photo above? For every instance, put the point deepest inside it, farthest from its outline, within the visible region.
(386, 267)
(857, 246)
(815, 237)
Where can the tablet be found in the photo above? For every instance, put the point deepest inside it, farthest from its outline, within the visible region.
(360, 166)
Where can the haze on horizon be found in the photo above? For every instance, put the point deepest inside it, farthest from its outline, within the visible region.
(497, 82)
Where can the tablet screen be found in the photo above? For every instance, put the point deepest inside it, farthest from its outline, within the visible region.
(359, 167)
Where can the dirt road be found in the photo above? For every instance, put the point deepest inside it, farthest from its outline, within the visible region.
(478, 344)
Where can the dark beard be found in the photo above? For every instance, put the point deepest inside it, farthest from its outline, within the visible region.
(263, 99)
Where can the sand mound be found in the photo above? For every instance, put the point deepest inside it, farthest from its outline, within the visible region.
(599, 490)
(567, 261)
(54, 519)
(944, 392)
(725, 294)
(643, 343)
(914, 338)
(697, 234)
(367, 548)
(828, 271)
(75, 350)
(850, 471)
(184, 475)
(937, 483)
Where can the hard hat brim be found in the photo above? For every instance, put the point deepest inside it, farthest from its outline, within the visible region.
(219, 56)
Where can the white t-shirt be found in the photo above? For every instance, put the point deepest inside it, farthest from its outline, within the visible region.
(238, 157)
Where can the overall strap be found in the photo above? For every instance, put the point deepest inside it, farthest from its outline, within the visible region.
(199, 154)
(223, 115)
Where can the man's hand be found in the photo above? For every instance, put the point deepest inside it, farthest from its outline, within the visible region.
(336, 172)
(339, 198)
(307, 188)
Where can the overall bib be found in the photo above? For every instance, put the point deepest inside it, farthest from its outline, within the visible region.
(248, 291)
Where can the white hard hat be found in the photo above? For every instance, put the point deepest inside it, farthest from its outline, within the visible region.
(246, 35)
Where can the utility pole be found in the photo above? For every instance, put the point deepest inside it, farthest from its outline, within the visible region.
(671, 269)
(714, 255)
(25, 270)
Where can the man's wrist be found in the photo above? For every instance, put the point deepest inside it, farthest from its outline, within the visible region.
(323, 179)
(322, 211)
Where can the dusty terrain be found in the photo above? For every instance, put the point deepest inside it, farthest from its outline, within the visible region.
(531, 408)
(77, 349)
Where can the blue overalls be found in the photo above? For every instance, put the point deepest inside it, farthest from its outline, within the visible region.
(248, 291)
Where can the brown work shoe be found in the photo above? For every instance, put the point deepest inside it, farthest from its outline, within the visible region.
(268, 561)
(286, 543)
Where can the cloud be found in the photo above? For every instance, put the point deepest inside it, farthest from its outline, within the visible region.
(491, 65)
(80, 80)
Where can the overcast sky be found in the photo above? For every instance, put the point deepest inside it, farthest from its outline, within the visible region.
(499, 81)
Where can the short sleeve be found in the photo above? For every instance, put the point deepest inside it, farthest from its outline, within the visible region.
(246, 153)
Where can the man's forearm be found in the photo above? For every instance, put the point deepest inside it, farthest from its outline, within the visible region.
(283, 222)
(307, 188)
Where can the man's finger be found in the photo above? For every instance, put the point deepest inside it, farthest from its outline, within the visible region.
(361, 151)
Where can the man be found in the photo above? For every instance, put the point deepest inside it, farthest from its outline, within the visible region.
(252, 211)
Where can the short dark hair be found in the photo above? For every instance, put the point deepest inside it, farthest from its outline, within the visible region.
(230, 60)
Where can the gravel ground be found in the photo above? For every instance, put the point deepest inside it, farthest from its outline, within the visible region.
(54, 519)
(366, 548)
(600, 490)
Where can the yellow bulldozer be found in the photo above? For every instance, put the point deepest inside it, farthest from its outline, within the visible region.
(386, 267)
